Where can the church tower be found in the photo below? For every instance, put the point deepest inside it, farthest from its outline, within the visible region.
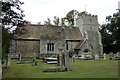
(89, 27)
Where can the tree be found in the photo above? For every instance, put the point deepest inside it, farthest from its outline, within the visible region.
(56, 21)
(71, 17)
(81, 13)
(63, 22)
(27, 22)
(12, 15)
(68, 20)
(48, 22)
(111, 33)
(39, 23)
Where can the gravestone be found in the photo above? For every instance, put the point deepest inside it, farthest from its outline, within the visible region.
(34, 62)
(73, 58)
(114, 56)
(111, 55)
(35, 56)
(60, 60)
(63, 60)
(19, 57)
(8, 61)
(105, 56)
(118, 55)
(66, 61)
(96, 57)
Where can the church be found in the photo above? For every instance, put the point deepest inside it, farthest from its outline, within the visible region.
(40, 40)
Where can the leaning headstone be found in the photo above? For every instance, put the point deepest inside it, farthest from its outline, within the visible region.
(105, 56)
(8, 61)
(96, 57)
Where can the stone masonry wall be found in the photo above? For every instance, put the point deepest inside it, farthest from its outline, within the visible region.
(89, 27)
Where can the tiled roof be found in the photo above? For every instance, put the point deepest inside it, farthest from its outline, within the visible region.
(52, 32)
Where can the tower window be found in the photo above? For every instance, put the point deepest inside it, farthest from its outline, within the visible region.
(50, 47)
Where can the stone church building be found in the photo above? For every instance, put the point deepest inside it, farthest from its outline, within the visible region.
(41, 39)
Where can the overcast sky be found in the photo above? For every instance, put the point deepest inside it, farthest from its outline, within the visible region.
(39, 10)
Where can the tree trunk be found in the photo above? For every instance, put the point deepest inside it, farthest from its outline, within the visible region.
(8, 61)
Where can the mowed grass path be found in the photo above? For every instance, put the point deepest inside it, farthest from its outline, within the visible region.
(80, 69)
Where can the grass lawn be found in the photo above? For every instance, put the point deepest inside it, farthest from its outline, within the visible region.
(80, 69)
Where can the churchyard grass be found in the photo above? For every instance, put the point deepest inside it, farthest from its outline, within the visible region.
(80, 69)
